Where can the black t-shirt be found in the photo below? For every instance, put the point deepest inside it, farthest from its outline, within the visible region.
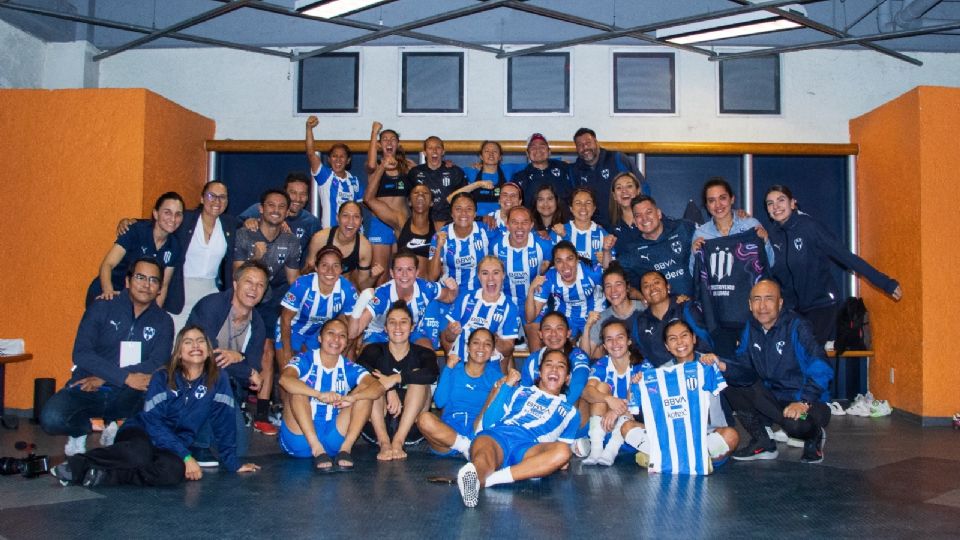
(442, 182)
(419, 366)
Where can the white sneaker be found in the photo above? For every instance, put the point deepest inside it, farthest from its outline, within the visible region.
(469, 484)
(75, 445)
(859, 408)
(779, 436)
(108, 434)
(881, 408)
(581, 447)
(836, 409)
(794, 443)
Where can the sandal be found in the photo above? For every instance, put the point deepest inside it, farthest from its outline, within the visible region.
(344, 456)
(323, 459)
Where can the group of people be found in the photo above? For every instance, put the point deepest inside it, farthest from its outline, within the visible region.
(572, 315)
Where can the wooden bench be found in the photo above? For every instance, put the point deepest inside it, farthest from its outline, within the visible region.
(4, 360)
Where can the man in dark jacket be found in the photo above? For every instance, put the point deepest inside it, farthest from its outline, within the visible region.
(596, 168)
(781, 376)
(542, 170)
(119, 344)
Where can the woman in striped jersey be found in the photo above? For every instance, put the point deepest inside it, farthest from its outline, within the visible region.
(335, 183)
(575, 288)
(588, 237)
(459, 246)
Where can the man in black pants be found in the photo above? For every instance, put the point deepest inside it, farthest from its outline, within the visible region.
(781, 376)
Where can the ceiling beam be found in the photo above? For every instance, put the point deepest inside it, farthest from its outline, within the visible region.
(810, 23)
(360, 25)
(605, 36)
(830, 43)
(186, 23)
(139, 29)
(436, 19)
(573, 19)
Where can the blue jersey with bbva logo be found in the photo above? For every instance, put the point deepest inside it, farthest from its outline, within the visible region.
(605, 371)
(530, 414)
(589, 243)
(312, 308)
(470, 310)
(461, 256)
(423, 292)
(676, 407)
(575, 300)
(521, 264)
(579, 371)
(333, 191)
(341, 378)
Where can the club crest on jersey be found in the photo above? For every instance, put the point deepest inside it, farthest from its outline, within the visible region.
(200, 392)
(149, 332)
(691, 383)
(676, 246)
(798, 243)
(721, 264)
(605, 174)
(498, 317)
(595, 244)
(555, 171)
(300, 232)
(166, 257)
(780, 345)
(281, 258)
(446, 180)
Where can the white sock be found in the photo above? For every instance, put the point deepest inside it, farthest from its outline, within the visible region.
(609, 454)
(637, 438)
(461, 444)
(503, 476)
(716, 445)
(596, 434)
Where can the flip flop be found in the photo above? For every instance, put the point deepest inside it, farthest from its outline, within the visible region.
(344, 456)
(323, 459)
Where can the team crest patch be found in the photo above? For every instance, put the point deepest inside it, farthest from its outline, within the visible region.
(200, 392)
(149, 332)
(281, 258)
(780, 345)
(605, 174)
(798, 243)
(676, 246)
(166, 257)
(289, 298)
(300, 232)
(555, 171)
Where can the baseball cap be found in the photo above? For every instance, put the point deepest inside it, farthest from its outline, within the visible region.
(535, 137)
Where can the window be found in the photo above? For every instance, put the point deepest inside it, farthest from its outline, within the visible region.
(539, 83)
(432, 82)
(750, 85)
(329, 84)
(644, 83)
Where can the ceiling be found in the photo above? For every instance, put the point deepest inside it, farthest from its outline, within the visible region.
(494, 26)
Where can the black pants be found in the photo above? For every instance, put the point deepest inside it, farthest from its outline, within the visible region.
(756, 405)
(824, 322)
(131, 460)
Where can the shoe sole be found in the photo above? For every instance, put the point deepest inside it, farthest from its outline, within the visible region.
(768, 455)
(208, 464)
(823, 444)
(469, 485)
(268, 432)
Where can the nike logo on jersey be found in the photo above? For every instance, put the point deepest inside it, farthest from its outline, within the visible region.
(415, 243)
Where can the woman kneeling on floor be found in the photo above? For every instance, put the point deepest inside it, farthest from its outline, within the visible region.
(330, 401)
(151, 449)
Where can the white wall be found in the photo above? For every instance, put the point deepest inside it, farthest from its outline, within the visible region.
(70, 65)
(21, 58)
(251, 96)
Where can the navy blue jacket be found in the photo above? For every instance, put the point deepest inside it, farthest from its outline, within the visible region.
(786, 358)
(173, 417)
(669, 254)
(229, 224)
(530, 179)
(211, 312)
(106, 324)
(802, 248)
(648, 331)
(599, 178)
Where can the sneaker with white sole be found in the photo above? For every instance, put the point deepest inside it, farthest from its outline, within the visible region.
(64, 474)
(109, 434)
(881, 408)
(469, 485)
(860, 407)
(756, 450)
(836, 409)
(813, 448)
(75, 445)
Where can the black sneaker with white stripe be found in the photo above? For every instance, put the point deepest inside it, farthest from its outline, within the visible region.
(757, 450)
(813, 448)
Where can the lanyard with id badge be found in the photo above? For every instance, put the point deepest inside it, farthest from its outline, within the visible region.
(131, 352)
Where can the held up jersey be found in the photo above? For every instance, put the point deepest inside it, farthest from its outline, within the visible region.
(725, 269)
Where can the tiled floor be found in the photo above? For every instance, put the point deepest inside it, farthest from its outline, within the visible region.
(881, 478)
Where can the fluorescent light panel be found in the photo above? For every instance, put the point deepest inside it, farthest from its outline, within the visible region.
(334, 8)
(745, 24)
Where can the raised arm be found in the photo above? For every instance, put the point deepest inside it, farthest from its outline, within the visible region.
(382, 210)
(312, 156)
(533, 305)
(372, 149)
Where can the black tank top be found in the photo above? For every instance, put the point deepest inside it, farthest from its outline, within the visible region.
(393, 186)
(417, 243)
(350, 262)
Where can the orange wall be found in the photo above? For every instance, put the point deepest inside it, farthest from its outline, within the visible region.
(906, 208)
(74, 162)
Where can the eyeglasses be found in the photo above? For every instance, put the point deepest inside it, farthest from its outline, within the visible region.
(214, 197)
(152, 280)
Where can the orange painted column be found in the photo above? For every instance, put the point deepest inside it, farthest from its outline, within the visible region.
(906, 174)
(74, 162)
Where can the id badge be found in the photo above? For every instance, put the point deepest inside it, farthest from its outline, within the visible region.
(129, 353)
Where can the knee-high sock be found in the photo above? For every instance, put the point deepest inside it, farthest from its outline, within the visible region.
(609, 454)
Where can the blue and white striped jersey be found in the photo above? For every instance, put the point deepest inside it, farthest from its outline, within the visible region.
(576, 300)
(541, 416)
(471, 311)
(676, 404)
(334, 191)
(342, 378)
(605, 371)
(423, 293)
(579, 371)
(313, 308)
(462, 255)
(521, 264)
(589, 243)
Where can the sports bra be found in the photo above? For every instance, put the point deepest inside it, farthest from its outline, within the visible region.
(393, 186)
(350, 262)
(417, 243)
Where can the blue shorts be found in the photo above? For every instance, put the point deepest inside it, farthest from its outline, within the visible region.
(297, 445)
(461, 422)
(297, 341)
(381, 233)
(514, 442)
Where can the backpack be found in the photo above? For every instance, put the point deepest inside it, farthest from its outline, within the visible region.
(852, 326)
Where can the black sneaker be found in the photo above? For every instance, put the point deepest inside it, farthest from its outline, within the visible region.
(63, 473)
(813, 448)
(204, 457)
(756, 450)
(94, 477)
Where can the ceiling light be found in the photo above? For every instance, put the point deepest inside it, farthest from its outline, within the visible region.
(745, 24)
(329, 9)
